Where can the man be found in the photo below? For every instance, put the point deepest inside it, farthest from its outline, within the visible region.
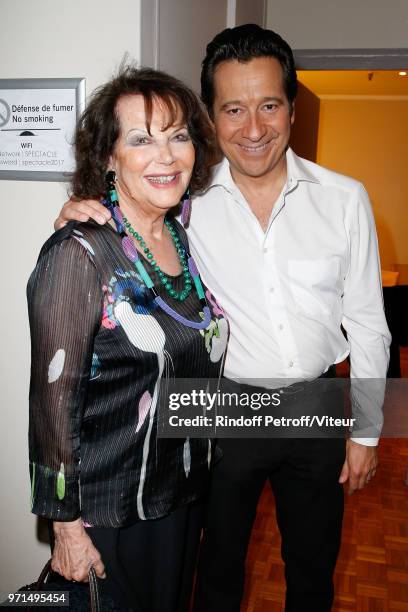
(289, 249)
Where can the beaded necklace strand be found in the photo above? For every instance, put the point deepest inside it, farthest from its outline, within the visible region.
(166, 282)
(112, 203)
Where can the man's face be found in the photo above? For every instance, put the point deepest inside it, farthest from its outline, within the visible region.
(251, 114)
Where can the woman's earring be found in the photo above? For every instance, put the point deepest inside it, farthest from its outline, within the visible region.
(186, 208)
(110, 176)
(112, 201)
(110, 179)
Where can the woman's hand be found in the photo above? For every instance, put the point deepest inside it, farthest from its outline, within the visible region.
(82, 210)
(74, 552)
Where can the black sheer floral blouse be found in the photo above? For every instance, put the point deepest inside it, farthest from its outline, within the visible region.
(100, 348)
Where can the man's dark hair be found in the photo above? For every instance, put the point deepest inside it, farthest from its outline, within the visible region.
(245, 43)
(98, 128)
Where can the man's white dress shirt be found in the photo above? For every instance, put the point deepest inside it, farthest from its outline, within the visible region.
(287, 291)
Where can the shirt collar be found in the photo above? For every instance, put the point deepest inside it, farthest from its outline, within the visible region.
(221, 176)
(297, 168)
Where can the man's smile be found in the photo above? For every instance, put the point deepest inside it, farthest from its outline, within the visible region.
(255, 149)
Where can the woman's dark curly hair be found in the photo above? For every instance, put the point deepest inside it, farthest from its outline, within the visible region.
(98, 127)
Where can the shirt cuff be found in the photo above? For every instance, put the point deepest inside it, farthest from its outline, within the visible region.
(54, 496)
(366, 441)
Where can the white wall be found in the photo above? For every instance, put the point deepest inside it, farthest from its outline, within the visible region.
(40, 39)
(349, 24)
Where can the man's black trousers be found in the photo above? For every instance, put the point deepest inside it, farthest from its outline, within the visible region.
(304, 477)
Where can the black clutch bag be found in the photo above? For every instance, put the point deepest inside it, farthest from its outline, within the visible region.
(82, 597)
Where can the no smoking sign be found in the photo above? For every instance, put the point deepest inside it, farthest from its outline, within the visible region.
(4, 112)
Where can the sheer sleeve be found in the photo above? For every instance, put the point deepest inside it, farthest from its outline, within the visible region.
(65, 310)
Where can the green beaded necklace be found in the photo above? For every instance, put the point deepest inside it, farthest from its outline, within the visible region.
(166, 282)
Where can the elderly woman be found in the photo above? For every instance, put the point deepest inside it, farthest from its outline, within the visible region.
(114, 310)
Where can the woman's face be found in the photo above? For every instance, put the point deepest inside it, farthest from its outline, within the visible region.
(154, 170)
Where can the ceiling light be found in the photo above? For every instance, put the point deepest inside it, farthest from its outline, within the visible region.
(402, 73)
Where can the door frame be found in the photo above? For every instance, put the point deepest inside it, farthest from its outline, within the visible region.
(351, 59)
(149, 39)
(150, 27)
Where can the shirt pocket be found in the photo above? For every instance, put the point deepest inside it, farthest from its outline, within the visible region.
(315, 284)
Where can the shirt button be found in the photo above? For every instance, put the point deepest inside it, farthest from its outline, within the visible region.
(280, 326)
(271, 289)
(291, 364)
(265, 249)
